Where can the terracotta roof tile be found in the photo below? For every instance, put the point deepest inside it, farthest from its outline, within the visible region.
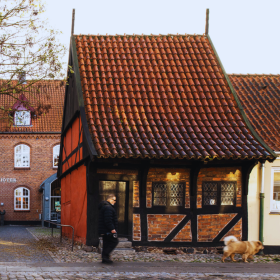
(260, 98)
(46, 118)
(160, 97)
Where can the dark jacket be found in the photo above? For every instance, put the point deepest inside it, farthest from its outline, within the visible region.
(107, 218)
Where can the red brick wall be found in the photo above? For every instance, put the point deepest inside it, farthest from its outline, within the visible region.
(167, 175)
(220, 174)
(41, 167)
(160, 225)
(136, 227)
(136, 202)
(235, 231)
(185, 234)
(209, 226)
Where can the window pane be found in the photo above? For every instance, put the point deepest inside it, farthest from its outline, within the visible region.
(25, 203)
(18, 192)
(210, 193)
(276, 191)
(18, 149)
(227, 193)
(18, 202)
(160, 194)
(25, 192)
(176, 194)
(22, 118)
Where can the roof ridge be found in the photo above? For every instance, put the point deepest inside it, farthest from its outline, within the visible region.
(142, 35)
(247, 75)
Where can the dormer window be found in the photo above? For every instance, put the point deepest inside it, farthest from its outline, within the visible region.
(22, 112)
(22, 118)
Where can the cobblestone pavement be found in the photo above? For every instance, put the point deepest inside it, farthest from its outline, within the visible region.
(131, 275)
(63, 254)
(17, 245)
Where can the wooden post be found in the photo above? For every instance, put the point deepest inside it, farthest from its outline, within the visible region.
(73, 22)
(207, 22)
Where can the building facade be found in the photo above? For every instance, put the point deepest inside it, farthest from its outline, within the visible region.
(29, 146)
(260, 98)
(156, 121)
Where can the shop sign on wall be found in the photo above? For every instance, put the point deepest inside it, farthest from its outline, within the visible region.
(8, 180)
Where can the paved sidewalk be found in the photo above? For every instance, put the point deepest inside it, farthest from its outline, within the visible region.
(155, 270)
(17, 245)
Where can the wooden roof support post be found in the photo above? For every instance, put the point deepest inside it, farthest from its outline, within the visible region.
(207, 22)
(73, 22)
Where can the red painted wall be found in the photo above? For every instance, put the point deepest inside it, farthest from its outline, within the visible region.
(74, 186)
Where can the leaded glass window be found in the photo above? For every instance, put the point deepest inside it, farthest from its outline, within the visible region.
(227, 193)
(210, 193)
(176, 194)
(160, 194)
(218, 193)
(168, 194)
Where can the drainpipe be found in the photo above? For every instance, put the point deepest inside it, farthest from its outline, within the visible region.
(261, 207)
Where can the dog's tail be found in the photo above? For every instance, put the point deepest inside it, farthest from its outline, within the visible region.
(230, 239)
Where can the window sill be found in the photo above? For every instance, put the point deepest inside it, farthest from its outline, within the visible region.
(274, 213)
(22, 125)
(55, 167)
(21, 168)
(21, 210)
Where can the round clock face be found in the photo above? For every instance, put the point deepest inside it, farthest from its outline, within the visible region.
(22, 118)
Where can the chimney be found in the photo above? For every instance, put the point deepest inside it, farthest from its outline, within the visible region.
(207, 22)
(22, 77)
(73, 22)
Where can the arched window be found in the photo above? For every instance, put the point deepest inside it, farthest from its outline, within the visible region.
(22, 156)
(56, 155)
(21, 199)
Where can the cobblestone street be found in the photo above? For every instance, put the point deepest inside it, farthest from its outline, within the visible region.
(31, 253)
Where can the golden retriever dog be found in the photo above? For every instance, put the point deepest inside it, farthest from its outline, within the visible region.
(246, 248)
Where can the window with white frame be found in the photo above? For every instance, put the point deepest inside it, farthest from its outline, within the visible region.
(21, 199)
(22, 156)
(275, 190)
(22, 118)
(55, 155)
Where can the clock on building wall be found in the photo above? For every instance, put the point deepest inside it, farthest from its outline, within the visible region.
(22, 118)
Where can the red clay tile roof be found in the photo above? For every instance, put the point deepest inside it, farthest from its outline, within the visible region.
(47, 99)
(260, 98)
(160, 97)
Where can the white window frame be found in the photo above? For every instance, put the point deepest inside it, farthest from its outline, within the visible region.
(55, 154)
(22, 155)
(273, 170)
(21, 196)
(22, 118)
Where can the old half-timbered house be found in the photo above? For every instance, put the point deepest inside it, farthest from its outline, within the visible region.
(260, 97)
(30, 128)
(155, 120)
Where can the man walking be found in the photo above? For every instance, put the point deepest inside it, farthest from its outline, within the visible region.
(108, 226)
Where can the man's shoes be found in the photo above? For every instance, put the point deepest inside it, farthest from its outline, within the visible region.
(108, 261)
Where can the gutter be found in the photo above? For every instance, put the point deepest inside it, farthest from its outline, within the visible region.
(261, 208)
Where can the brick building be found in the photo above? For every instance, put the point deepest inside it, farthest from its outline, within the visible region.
(29, 147)
(155, 120)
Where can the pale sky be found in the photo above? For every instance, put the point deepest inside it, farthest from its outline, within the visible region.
(245, 33)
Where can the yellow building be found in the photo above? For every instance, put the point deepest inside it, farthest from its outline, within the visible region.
(260, 98)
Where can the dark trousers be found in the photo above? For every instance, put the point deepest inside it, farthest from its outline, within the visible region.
(109, 244)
